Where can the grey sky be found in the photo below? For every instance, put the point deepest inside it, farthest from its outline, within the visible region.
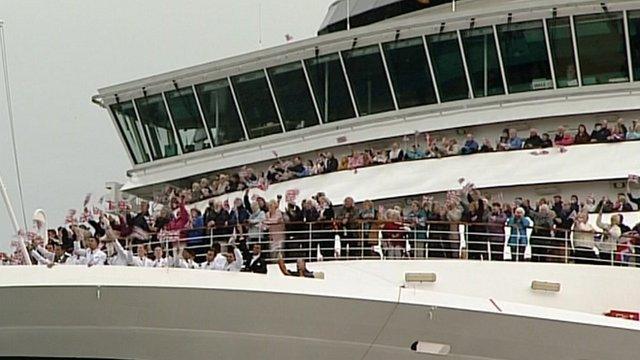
(61, 52)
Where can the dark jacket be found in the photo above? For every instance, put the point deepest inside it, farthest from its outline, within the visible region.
(259, 266)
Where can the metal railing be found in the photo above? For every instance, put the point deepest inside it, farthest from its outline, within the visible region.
(323, 241)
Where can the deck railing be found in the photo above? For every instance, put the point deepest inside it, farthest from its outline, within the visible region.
(323, 241)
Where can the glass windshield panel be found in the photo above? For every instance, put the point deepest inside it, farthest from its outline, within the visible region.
(220, 112)
(561, 42)
(155, 121)
(255, 101)
(634, 36)
(602, 48)
(447, 66)
(186, 118)
(293, 96)
(330, 88)
(409, 71)
(482, 61)
(524, 54)
(127, 121)
(368, 80)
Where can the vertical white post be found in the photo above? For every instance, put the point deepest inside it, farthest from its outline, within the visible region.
(386, 71)
(431, 71)
(627, 40)
(348, 15)
(204, 120)
(499, 51)
(275, 101)
(575, 50)
(464, 64)
(346, 77)
(549, 54)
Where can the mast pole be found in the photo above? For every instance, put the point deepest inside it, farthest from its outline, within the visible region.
(14, 222)
(7, 203)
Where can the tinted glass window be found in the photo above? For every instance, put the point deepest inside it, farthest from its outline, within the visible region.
(220, 112)
(409, 71)
(330, 88)
(634, 36)
(368, 80)
(524, 54)
(258, 111)
(186, 118)
(482, 61)
(127, 121)
(601, 48)
(562, 54)
(447, 66)
(155, 121)
(293, 96)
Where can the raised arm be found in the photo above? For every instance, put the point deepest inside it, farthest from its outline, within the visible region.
(282, 267)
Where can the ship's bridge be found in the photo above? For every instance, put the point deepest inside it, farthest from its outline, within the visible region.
(488, 62)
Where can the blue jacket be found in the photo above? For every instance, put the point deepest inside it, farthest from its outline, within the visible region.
(515, 143)
(519, 230)
(470, 147)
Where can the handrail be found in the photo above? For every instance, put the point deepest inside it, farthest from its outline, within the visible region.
(444, 240)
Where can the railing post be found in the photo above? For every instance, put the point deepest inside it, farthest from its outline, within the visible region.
(362, 239)
(415, 242)
(310, 242)
(566, 250)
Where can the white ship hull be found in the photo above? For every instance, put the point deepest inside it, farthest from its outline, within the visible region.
(361, 310)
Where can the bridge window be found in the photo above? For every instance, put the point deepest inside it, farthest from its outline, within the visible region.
(602, 48)
(561, 42)
(155, 120)
(368, 80)
(293, 96)
(220, 112)
(127, 121)
(482, 62)
(330, 88)
(524, 54)
(447, 66)
(634, 37)
(409, 71)
(186, 118)
(258, 111)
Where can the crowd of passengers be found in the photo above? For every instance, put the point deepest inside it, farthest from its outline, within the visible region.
(176, 236)
(326, 162)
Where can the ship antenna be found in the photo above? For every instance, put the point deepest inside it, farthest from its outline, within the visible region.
(7, 87)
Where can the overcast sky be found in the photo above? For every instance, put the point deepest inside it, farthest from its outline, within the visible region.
(61, 52)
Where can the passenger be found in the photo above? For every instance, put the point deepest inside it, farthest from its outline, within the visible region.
(141, 259)
(470, 146)
(518, 240)
(256, 263)
(301, 269)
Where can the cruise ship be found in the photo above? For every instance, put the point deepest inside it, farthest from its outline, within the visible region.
(379, 73)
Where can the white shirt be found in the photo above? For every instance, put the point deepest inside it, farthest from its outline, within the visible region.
(236, 265)
(122, 257)
(159, 263)
(186, 264)
(207, 265)
(39, 258)
(219, 262)
(142, 262)
(92, 257)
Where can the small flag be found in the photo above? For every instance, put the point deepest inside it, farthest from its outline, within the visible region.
(337, 246)
(87, 198)
(319, 256)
